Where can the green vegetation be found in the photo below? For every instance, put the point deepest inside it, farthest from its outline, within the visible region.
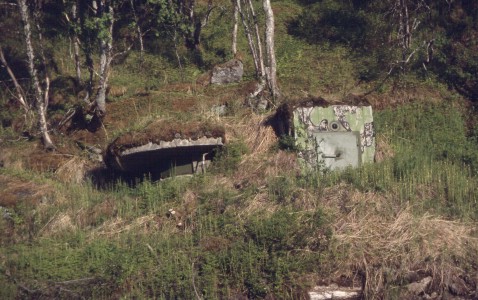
(121, 241)
(255, 225)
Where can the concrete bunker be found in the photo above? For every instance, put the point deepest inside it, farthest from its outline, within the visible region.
(165, 148)
(331, 136)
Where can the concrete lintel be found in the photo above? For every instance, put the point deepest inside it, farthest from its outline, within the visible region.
(204, 141)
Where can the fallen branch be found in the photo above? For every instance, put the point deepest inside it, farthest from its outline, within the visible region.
(77, 281)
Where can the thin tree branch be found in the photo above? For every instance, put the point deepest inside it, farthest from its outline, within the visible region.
(20, 93)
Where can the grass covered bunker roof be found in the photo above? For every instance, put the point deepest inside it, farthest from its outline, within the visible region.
(165, 148)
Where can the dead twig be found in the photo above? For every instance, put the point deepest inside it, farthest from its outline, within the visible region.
(194, 285)
(77, 281)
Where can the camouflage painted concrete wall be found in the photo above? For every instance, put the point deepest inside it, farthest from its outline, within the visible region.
(335, 136)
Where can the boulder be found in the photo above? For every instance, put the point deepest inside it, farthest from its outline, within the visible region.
(419, 287)
(228, 72)
(333, 291)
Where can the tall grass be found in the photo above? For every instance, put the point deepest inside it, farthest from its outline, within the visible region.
(123, 240)
(433, 166)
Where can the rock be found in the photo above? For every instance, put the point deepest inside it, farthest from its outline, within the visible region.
(5, 213)
(95, 157)
(95, 154)
(94, 150)
(419, 287)
(434, 295)
(219, 110)
(228, 72)
(333, 291)
(458, 287)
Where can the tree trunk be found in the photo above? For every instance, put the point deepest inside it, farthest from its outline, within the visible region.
(250, 39)
(258, 40)
(193, 38)
(39, 93)
(271, 58)
(76, 43)
(106, 55)
(234, 29)
(406, 31)
(266, 75)
(87, 38)
(138, 29)
(404, 34)
(186, 8)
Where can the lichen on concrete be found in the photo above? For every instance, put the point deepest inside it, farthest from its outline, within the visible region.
(330, 135)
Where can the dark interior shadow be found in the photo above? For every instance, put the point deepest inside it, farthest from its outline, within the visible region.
(104, 178)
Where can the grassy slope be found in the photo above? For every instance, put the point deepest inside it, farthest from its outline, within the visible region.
(255, 225)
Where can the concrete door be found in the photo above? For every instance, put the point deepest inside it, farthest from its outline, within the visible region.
(338, 150)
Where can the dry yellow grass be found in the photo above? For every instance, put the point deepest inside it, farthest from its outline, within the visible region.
(72, 171)
(59, 224)
(14, 191)
(112, 228)
(384, 244)
(383, 150)
(260, 162)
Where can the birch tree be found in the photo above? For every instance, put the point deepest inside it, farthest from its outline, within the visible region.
(235, 28)
(270, 50)
(71, 16)
(195, 22)
(251, 30)
(40, 90)
(139, 32)
(96, 20)
(105, 21)
(409, 17)
(87, 34)
(265, 66)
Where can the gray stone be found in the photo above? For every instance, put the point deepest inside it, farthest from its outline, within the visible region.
(333, 291)
(228, 72)
(419, 287)
(219, 110)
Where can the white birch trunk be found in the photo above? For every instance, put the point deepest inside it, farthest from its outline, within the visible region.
(39, 93)
(138, 29)
(250, 39)
(76, 43)
(258, 40)
(88, 49)
(106, 54)
(234, 29)
(271, 58)
(407, 33)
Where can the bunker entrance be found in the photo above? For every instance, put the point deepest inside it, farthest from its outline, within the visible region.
(164, 150)
(330, 136)
(168, 162)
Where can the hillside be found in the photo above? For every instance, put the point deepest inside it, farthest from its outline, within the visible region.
(256, 224)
